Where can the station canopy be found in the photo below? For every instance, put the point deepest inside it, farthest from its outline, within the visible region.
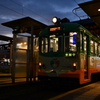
(25, 25)
(5, 38)
(92, 8)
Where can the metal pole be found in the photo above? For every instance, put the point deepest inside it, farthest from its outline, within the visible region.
(10, 56)
(13, 58)
(31, 54)
(28, 59)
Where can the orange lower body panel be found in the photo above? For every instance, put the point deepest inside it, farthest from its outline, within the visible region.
(80, 74)
(42, 73)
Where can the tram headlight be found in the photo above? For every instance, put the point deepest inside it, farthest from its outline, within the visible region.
(56, 20)
(74, 65)
(40, 64)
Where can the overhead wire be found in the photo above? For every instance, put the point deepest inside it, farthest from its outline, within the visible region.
(28, 9)
(12, 10)
(22, 11)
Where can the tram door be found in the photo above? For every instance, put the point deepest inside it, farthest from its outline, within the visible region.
(85, 57)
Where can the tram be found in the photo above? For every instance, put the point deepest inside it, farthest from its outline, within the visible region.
(68, 50)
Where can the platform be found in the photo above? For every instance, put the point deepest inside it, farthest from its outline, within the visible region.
(5, 75)
(88, 92)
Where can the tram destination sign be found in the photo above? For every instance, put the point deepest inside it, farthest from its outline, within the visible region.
(55, 28)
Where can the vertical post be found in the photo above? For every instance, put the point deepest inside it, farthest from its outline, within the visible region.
(28, 59)
(13, 58)
(10, 56)
(31, 54)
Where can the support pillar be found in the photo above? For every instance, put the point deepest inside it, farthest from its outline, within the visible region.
(13, 58)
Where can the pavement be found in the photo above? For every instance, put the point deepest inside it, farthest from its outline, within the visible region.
(87, 92)
(5, 75)
(5, 79)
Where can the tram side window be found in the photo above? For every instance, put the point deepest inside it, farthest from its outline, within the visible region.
(92, 46)
(44, 46)
(85, 44)
(81, 43)
(70, 42)
(96, 45)
(99, 50)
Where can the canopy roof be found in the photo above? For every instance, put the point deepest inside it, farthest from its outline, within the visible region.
(5, 38)
(91, 8)
(26, 23)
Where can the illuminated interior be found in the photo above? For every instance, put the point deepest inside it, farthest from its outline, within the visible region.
(55, 43)
(22, 45)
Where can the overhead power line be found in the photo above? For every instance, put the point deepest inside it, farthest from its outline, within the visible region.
(22, 10)
(28, 9)
(11, 9)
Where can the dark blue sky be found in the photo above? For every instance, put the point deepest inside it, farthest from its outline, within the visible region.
(41, 10)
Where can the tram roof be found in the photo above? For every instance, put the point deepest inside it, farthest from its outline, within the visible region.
(91, 8)
(26, 22)
(66, 27)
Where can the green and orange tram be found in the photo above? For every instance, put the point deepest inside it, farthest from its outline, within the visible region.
(68, 50)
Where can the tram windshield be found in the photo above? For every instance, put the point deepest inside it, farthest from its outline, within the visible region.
(70, 42)
(58, 43)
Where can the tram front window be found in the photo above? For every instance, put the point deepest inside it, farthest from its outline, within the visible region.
(70, 42)
(52, 43)
(44, 44)
(55, 43)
